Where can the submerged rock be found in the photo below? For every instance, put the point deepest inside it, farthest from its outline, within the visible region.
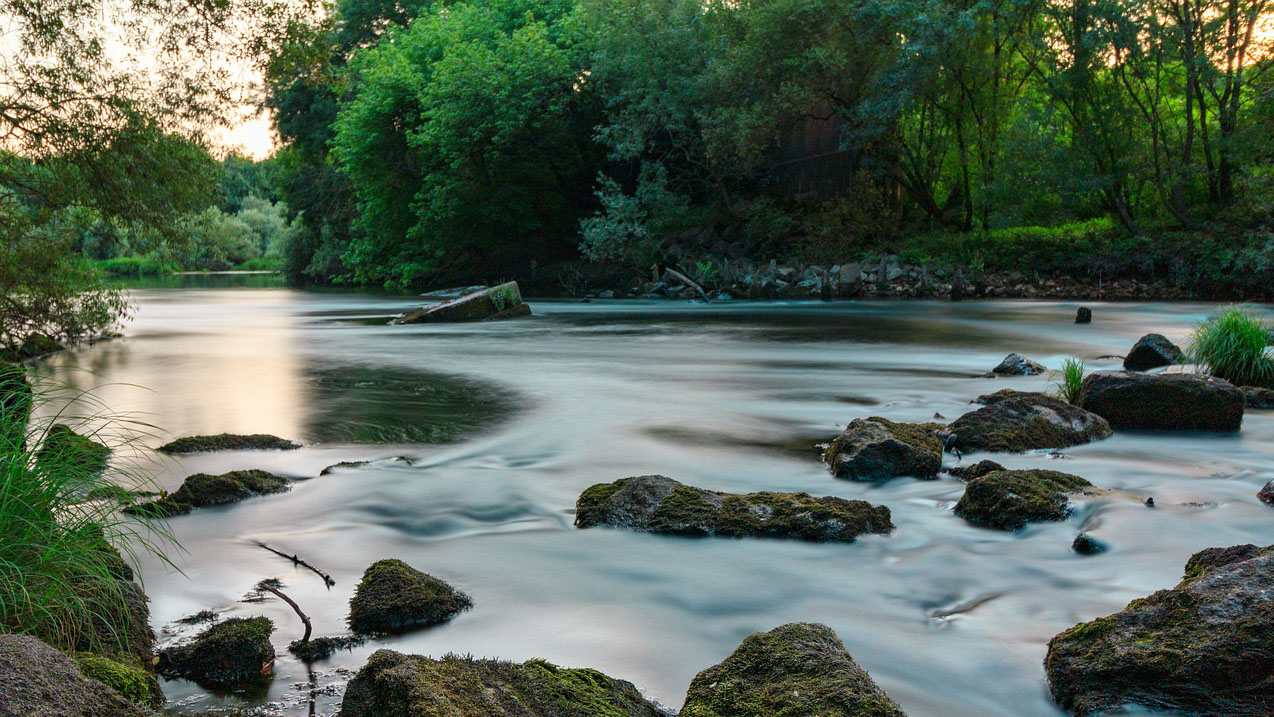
(796, 670)
(392, 684)
(1016, 422)
(65, 450)
(36, 679)
(202, 490)
(1152, 351)
(227, 442)
(1008, 500)
(234, 652)
(1202, 647)
(1016, 364)
(876, 449)
(1165, 401)
(321, 648)
(132, 682)
(659, 504)
(498, 302)
(1085, 544)
(394, 597)
(977, 470)
(1258, 398)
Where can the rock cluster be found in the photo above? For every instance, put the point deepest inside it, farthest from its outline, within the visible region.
(659, 504)
(202, 490)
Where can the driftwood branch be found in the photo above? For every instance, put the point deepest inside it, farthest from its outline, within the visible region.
(296, 560)
(690, 283)
(296, 608)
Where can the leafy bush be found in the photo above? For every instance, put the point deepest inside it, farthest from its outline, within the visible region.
(136, 266)
(1235, 346)
(1072, 377)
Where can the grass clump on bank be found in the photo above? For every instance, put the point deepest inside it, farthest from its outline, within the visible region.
(1235, 345)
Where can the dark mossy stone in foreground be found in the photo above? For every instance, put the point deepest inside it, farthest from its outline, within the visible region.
(202, 490)
(234, 652)
(797, 670)
(37, 680)
(975, 470)
(392, 684)
(65, 450)
(1203, 647)
(133, 682)
(659, 504)
(876, 448)
(1017, 422)
(394, 597)
(1177, 401)
(321, 648)
(227, 442)
(1008, 500)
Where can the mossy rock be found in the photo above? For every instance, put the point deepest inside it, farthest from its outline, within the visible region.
(392, 684)
(1202, 647)
(132, 682)
(975, 470)
(394, 597)
(797, 670)
(38, 681)
(231, 653)
(1162, 402)
(202, 490)
(321, 648)
(876, 448)
(497, 302)
(1027, 422)
(1008, 500)
(64, 450)
(34, 346)
(117, 622)
(1260, 399)
(227, 442)
(659, 504)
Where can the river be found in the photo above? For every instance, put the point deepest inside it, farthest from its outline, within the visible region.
(503, 424)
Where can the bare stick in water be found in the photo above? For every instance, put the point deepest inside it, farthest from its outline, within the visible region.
(297, 608)
(296, 560)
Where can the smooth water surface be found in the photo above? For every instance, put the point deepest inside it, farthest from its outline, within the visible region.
(505, 423)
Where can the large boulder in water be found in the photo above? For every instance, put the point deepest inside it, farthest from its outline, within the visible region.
(1153, 351)
(659, 504)
(1166, 401)
(394, 597)
(1016, 422)
(1203, 647)
(797, 670)
(227, 442)
(1016, 364)
(37, 680)
(498, 302)
(875, 449)
(234, 652)
(392, 684)
(202, 490)
(1008, 500)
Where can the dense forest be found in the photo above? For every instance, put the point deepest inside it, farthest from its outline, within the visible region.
(568, 141)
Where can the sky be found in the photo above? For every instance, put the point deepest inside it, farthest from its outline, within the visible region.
(253, 137)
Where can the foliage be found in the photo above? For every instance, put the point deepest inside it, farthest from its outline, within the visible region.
(1235, 345)
(1071, 379)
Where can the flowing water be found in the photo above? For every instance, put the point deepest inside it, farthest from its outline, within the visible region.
(503, 424)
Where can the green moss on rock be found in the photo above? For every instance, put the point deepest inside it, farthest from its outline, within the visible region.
(227, 442)
(497, 302)
(230, 653)
(1162, 401)
(1027, 422)
(876, 448)
(321, 648)
(1008, 500)
(202, 490)
(1203, 647)
(659, 504)
(38, 681)
(66, 451)
(394, 597)
(132, 682)
(976, 470)
(392, 684)
(797, 670)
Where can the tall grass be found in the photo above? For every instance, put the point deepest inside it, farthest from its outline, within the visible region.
(62, 575)
(1071, 378)
(1235, 345)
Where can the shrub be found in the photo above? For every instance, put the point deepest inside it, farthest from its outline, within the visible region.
(1235, 346)
(1071, 378)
